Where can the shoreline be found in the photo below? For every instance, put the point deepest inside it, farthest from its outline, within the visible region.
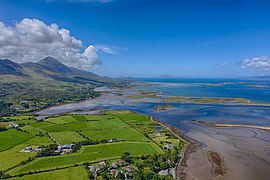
(191, 146)
(214, 124)
(216, 160)
(66, 103)
(36, 112)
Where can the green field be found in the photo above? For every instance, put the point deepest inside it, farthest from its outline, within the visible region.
(134, 134)
(41, 124)
(32, 130)
(92, 125)
(39, 140)
(121, 134)
(61, 120)
(44, 127)
(11, 138)
(25, 122)
(79, 117)
(12, 157)
(54, 128)
(66, 137)
(131, 118)
(72, 173)
(19, 118)
(89, 154)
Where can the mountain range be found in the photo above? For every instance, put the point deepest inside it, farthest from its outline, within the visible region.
(51, 69)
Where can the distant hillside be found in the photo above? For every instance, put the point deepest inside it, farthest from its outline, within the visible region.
(50, 68)
(29, 87)
(262, 78)
(9, 67)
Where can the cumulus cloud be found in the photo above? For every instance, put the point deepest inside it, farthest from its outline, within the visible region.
(262, 63)
(30, 40)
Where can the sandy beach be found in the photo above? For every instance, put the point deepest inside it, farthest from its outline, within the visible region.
(232, 125)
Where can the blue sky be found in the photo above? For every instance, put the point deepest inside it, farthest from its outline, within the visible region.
(149, 38)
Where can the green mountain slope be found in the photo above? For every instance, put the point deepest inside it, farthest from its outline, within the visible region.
(31, 86)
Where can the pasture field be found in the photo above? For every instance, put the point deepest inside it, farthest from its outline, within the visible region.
(56, 120)
(61, 120)
(63, 174)
(25, 122)
(66, 137)
(90, 153)
(32, 130)
(166, 139)
(121, 134)
(99, 117)
(19, 118)
(92, 125)
(11, 138)
(54, 128)
(12, 157)
(41, 124)
(44, 126)
(79, 117)
(134, 134)
(39, 140)
(131, 118)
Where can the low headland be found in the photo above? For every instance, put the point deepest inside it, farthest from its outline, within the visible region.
(215, 124)
(142, 94)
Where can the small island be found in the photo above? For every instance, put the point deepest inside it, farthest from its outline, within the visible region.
(193, 100)
(145, 94)
(164, 107)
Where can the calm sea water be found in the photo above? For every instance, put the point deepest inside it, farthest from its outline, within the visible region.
(183, 114)
(257, 91)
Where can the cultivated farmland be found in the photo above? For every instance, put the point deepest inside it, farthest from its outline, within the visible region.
(62, 146)
(12, 137)
(63, 174)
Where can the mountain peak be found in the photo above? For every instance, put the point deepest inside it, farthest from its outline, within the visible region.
(48, 60)
(54, 64)
(9, 67)
(50, 68)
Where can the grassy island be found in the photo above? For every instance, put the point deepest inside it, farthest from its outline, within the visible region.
(163, 107)
(192, 100)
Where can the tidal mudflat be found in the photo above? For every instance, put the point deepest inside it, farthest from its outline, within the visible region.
(244, 153)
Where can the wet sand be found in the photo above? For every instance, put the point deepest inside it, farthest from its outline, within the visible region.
(244, 153)
(232, 125)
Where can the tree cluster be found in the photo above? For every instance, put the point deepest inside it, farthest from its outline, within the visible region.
(48, 151)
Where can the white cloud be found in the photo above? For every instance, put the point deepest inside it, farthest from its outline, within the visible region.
(30, 40)
(262, 63)
(110, 49)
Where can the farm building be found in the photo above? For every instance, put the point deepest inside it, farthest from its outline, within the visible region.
(169, 146)
(13, 125)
